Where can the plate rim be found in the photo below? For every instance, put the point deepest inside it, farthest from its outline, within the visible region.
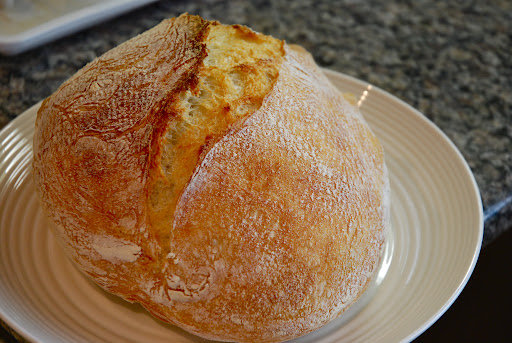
(475, 189)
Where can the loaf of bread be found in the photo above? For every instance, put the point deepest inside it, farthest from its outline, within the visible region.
(215, 176)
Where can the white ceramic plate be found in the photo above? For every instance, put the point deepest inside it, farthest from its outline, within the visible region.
(26, 24)
(433, 247)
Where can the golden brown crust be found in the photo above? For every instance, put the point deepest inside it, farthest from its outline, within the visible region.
(228, 188)
(96, 135)
(282, 223)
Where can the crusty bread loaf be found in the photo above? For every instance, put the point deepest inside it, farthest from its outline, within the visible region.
(214, 175)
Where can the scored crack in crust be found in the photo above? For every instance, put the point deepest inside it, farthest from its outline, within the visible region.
(214, 175)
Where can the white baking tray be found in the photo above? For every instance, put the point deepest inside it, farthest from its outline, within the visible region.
(25, 24)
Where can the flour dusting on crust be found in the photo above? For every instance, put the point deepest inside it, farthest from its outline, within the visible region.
(116, 250)
(298, 190)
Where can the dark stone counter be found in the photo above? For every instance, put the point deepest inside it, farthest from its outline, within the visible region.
(450, 60)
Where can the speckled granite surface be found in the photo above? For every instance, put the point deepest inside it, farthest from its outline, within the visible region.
(450, 60)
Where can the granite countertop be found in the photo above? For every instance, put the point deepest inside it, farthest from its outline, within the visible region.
(450, 60)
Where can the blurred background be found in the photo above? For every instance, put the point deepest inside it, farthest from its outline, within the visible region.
(451, 60)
